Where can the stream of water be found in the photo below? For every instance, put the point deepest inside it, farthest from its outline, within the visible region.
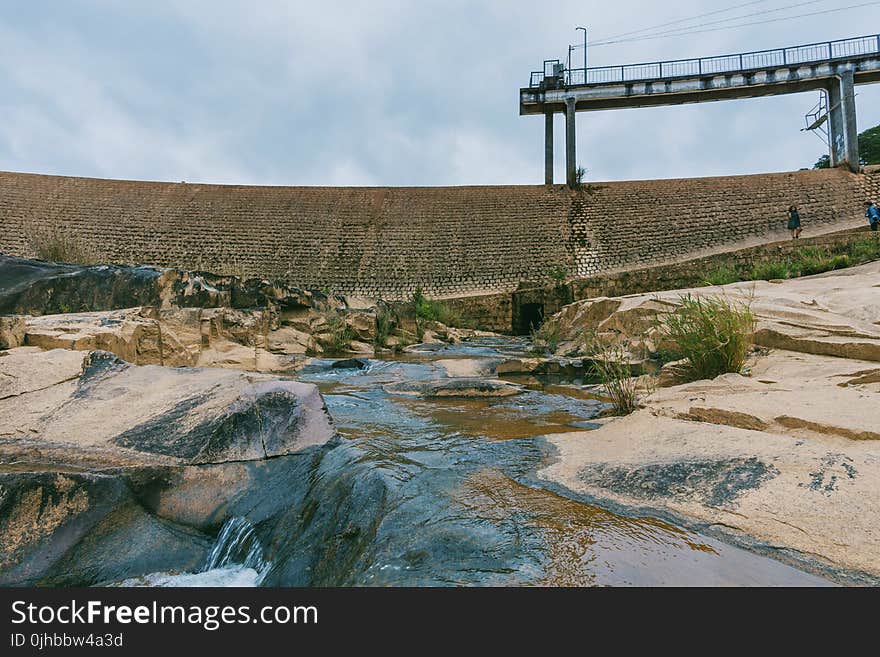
(442, 491)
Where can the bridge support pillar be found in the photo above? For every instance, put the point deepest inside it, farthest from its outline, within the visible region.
(570, 151)
(548, 147)
(836, 130)
(848, 105)
(843, 131)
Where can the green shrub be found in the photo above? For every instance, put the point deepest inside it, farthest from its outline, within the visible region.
(813, 260)
(865, 249)
(770, 270)
(712, 333)
(435, 311)
(840, 261)
(809, 262)
(59, 246)
(558, 273)
(385, 323)
(723, 275)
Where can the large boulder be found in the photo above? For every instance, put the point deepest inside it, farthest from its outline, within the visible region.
(177, 337)
(91, 407)
(833, 314)
(110, 470)
(36, 287)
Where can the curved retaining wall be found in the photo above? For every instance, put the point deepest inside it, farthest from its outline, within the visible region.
(385, 242)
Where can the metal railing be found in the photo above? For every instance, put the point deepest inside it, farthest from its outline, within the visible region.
(680, 68)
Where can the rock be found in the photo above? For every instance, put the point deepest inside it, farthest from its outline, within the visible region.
(110, 471)
(362, 324)
(833, 314)
(12, 329)
(69, 529)
(288, 340)
(36, 287)
(458, 387)
(519, 366)
(216, 337)
(350, 364)
(789, 456)
(360, 303)
(469, 367)
(358, 347)
(430, 337)
(135, 335)
(116, 414)
(672, 374)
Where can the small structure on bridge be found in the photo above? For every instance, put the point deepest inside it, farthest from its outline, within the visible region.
(834, 67)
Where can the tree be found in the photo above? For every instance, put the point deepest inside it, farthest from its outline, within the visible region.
(869, 149)
(869, 146)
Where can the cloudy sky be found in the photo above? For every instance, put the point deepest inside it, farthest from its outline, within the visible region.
(379, 92)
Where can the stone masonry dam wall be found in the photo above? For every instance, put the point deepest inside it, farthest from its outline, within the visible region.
(451, 241)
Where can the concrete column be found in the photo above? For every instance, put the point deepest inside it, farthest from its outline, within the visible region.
(570, 151)
(851, 128)
(836, 131)
(548, 147)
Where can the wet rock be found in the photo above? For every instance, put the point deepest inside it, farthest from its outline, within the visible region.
(457, 387)
(519, 366)
(468, 367)
(110, 471)
(74, 528)
(350, 364)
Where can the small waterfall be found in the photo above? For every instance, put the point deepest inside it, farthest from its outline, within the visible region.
(238, 545)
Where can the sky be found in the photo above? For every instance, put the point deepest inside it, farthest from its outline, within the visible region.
(380, 92)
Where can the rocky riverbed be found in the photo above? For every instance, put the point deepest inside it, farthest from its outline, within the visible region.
(123, 461)
(786, 455)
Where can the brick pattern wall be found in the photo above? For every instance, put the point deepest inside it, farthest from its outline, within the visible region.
(636, 224)
(451, 241)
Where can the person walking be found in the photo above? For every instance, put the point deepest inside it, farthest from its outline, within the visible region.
(873, 215)
(794, 222)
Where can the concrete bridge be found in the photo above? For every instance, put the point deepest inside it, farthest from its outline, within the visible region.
(834, 67)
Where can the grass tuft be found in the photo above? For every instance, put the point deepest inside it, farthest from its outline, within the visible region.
(56, 245)
(712, 333)
(610, 363)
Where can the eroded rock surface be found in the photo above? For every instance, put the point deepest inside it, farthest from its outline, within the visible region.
(110, 470)
(833, 314)
(786, 454)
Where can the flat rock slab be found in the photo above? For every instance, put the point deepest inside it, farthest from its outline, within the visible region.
(801, 395)
(818, 497)
(92, 409)
(455, 387)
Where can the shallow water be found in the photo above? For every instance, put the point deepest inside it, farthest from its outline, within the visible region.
(442, 492)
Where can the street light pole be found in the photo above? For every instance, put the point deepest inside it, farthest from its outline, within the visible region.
(585, 51)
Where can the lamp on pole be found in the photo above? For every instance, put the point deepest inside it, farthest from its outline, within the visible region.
(585, 50)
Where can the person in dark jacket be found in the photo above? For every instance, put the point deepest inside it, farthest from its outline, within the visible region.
(873, 215)
(794, 222)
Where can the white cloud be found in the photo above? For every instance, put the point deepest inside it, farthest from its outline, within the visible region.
(380, 93)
